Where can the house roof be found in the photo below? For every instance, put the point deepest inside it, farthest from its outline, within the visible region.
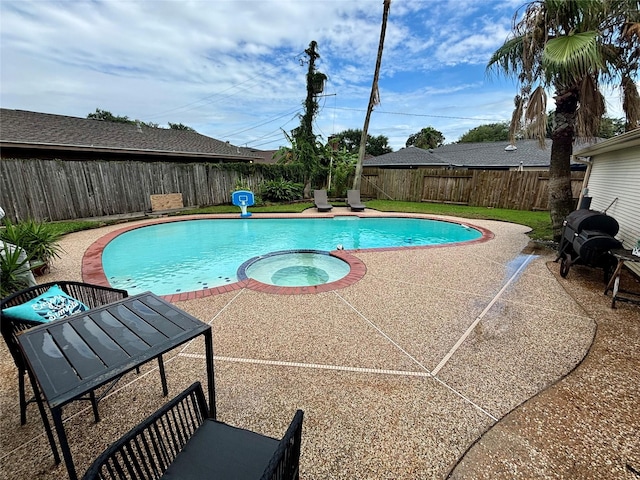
(410, 156)
(33, 130)
(485, 155)
(625, 140)
(262, 156)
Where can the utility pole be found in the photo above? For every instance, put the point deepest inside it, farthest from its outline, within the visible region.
(310, 105)
(305, 140)
(374, 99)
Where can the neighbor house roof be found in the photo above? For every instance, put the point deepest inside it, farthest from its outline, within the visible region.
(262, 156)
(407, 157)
(486, 155)
(24, 130)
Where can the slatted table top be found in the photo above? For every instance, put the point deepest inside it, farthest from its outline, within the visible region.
(77, 354)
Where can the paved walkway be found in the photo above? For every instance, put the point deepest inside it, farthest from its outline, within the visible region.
(586, 425)
(432, 352)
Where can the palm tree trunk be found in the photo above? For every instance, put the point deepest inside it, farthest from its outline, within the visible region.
(560, 194)
(373, 99)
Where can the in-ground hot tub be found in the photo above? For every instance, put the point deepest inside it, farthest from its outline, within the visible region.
(294, 268)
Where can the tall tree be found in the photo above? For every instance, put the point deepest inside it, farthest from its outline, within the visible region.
(609, 127)
(180, 126)
(571, 47)
(426, 138)
(491, 132)
(350, 141)
(107, 116)
(305, 150)
(374, 98)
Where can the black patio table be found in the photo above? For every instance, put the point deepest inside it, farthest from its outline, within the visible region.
(71, 357)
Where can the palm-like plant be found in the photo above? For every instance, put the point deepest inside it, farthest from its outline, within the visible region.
(572, 47)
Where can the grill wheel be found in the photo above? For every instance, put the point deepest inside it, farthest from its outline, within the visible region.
(565, 265)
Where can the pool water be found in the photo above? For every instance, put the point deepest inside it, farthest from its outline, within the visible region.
(190, 255)
(295, 269)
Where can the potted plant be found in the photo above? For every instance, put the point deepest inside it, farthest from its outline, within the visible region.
(15, 271)
(38, 239)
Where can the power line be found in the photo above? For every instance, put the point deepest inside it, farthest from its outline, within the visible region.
(419, 114)
(258, 76)
(260, 124)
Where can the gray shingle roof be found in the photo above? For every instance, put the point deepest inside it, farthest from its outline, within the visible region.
(262, 156)
(488, 155)
(24, 128)
(410, 156)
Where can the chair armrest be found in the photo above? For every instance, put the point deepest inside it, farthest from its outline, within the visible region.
(148, 449)
(286, 460)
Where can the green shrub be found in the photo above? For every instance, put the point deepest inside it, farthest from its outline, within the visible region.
(281, 190)
(38, 239)
(12, 270)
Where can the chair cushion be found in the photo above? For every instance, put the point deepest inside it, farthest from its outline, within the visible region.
(51, 305)
(218, 450)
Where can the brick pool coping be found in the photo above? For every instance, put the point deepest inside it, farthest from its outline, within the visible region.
(92, 271)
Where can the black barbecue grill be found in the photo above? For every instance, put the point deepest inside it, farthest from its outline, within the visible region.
(587, 238)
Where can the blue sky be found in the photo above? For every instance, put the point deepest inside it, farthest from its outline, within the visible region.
(231, 68)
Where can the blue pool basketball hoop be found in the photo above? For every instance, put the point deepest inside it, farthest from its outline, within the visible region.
(242, 199)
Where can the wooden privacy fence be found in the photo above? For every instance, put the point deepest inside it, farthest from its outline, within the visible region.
(526, 190)
(62, 190)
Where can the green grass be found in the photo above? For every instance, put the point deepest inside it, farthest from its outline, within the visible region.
(275, 208)
(70, 226)
(539, 222)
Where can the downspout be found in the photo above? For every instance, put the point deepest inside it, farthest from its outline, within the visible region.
(585, 181)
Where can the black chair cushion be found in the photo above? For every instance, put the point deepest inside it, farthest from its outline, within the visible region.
(218, 450)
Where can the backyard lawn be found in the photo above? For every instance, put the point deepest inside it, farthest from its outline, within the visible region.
(540, 222)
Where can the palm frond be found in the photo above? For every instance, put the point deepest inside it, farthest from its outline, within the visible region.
(578, 52)
(630, 102)
(591, 108)
(508, 58)
(516, 118)
(536, 115)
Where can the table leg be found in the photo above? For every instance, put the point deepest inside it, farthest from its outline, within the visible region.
(45, 420)
(163, 377)
(615, 275)
(614, 293)
(56, 413)
(208, 340)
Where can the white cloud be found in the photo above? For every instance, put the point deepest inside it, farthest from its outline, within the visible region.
(231, 68)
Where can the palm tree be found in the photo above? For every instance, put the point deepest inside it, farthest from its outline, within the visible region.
(374, 98)
(572, 47)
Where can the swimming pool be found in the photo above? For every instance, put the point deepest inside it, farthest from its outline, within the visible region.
(184, 256)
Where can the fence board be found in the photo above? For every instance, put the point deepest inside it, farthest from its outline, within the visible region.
(526, 190)
(61, 190)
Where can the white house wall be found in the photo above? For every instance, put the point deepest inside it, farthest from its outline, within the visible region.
(614, 175)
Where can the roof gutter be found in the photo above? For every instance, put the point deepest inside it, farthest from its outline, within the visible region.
(585, 181)
(627, 139)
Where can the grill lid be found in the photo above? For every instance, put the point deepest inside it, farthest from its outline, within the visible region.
(580, 220)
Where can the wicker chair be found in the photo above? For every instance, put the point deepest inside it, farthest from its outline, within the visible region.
(91, 295)
(181, 441)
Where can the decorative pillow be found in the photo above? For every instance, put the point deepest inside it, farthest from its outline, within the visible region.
(51, 305)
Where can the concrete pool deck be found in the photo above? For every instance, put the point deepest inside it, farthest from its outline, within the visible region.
(464, 361)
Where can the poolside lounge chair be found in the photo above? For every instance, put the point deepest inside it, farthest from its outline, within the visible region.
(321, 201)
(181, 440)
(353, 201)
